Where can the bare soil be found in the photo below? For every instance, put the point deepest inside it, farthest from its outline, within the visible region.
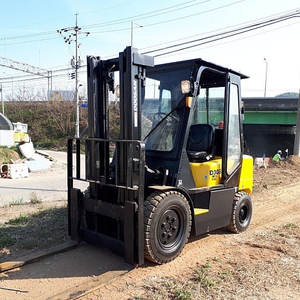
(261, 263)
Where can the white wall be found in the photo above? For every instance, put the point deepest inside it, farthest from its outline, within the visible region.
(7, 138)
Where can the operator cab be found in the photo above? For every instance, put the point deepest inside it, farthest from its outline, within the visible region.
(184, 108)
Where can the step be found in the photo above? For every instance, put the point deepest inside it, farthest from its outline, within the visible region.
(200, 211)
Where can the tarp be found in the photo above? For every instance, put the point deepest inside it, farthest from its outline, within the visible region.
(28, 151)
(36, 162)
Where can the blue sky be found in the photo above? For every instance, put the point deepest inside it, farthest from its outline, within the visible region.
(28, 34)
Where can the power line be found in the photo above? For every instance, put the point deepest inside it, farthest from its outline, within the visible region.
(223, 35)
(170, 20)
(217, 37)
(55, 74)
(124, 20)
(114, 22)
(67, 16)
(110, 7)
(151, 14)
(15, 37)
(207, 39)
(26, 42)
(218, 30)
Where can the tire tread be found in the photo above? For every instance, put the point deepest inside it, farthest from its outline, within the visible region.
(150, 206)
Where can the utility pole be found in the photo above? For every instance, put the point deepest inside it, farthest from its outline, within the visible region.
(297, 134)
(1, 90)
(266, 77)
(131, 35)
(75, 31)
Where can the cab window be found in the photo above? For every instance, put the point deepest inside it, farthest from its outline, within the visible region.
(209, 106)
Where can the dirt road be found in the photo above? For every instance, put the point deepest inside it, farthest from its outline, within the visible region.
(262, 263)
(58, 276)
(276, 203)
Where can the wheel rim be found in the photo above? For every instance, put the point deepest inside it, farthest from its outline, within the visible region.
(243, 215)
(170, 229)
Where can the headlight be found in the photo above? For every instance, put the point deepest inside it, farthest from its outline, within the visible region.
(185, 86)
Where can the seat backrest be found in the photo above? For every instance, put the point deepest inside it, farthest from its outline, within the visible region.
(218, 141)
(201, 138)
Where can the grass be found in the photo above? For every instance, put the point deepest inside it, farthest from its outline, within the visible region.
(6, 154)
(16, 202)
(183, 294)
(34, 199)
(21, 220)
(6, 240)
(33, 232)
(290, 226)
(202, 275)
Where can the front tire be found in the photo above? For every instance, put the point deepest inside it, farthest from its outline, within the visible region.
(167, 225)
(241, 213)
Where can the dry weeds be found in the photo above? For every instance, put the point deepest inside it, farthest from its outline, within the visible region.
(268, 268)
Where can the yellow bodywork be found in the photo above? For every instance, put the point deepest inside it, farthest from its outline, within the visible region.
(246, 179)
(209, 173)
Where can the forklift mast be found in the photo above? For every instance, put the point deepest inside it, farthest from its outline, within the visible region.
(113, 209)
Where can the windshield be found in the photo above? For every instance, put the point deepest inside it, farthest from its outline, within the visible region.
(160, 117)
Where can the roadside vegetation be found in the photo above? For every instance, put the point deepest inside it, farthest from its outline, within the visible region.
(30, 232)
(52, 123)
(8, 154)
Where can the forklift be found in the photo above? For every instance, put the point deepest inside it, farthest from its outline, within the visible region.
(177, 165)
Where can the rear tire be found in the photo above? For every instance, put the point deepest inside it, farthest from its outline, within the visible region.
(167, 225)
(241, 213)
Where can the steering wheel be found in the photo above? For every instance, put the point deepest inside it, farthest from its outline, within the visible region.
(161, 115)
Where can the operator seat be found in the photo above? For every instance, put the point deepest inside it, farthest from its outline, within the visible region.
(200, 145)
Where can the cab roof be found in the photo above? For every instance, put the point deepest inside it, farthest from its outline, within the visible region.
(198, 62)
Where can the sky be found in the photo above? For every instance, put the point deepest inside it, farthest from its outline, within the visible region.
(28, 34)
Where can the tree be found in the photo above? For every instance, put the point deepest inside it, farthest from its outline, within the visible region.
(288, 95)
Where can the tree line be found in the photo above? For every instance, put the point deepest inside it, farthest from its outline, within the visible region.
(52, 123)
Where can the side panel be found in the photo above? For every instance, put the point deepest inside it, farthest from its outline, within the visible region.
(218, 216)
(246, 179)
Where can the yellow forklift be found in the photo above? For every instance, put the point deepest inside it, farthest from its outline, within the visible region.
(177, 166)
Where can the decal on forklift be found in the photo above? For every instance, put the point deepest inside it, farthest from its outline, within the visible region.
(135, 103)
(214, 173)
